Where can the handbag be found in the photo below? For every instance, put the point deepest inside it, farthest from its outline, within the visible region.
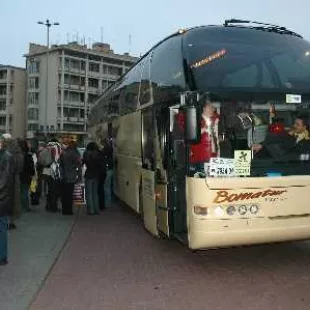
(79, 195)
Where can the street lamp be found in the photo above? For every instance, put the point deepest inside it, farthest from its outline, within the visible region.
(48, 24)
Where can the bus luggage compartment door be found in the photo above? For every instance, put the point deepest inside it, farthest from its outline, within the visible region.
(149, 201)
(162, 209)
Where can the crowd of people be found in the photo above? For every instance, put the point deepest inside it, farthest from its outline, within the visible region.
(52, 170)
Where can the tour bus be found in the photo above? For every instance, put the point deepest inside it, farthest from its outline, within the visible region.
(254, 79)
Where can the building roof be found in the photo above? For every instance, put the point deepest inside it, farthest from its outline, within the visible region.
(37, 50)
(11, 67)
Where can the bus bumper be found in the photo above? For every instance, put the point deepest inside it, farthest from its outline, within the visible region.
(225, 233)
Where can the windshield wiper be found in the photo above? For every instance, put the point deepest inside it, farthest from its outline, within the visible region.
(261, 26)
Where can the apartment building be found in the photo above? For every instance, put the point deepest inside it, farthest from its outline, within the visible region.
(13, 101)
(64, 82)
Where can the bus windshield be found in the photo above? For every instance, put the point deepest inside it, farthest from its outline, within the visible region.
(246, 59)
(271, 140)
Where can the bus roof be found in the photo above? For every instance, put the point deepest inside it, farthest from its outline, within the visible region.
(231, 23)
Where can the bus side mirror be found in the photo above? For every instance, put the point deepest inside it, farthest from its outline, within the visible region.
(192, 122)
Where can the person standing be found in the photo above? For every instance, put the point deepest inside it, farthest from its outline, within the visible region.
(93, 162)
(101, 180)
(7, 169)
(108, 160)
(26, 175)
(49, 158)
(12, 146)
(39, 169)
(70, 167)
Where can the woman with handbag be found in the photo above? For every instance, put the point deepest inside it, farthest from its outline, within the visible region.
(92, 160)
(70, 173)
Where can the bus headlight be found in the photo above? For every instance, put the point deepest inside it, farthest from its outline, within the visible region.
(231, 210)
(242, 210)
(218, 211)
(254, 209)
(201, 210)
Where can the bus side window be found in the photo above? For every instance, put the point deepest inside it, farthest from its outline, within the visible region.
(148, 149)
(145, 87)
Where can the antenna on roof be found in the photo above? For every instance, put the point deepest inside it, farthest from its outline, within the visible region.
(68, 38)
(129, 43)
(101, 34)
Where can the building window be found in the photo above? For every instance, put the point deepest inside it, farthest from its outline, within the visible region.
(3, 90)
(2, 120)
(115, 71)
(33, 98)
(33, 127)
(83, 66)
(94, 67)
(33, 67)
(92, 98)
(33, 114)
(93, 83)
(3, 75)
(75, 64)
(2, 105)
(73, 128)
(34, 83)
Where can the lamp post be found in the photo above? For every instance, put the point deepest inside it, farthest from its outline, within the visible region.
(48, 24)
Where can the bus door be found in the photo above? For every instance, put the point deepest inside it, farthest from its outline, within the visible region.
(148, 199)
(161, 148)
(177, 176)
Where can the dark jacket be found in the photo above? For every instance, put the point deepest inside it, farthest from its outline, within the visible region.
(70, 164)
(14, 149)
(107, 152)
(7, 170)
(94, 164)
(28, 169)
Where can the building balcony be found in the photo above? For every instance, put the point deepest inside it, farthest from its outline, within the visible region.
(94, 74)
(75, 87)
(71, 120)
(3, 96)
(94, 90)
(109, 76)
(3, 81)
(77, 104)
(72, 132)
(33, 104)
(73, 70)
(33, 74)
(32, 121)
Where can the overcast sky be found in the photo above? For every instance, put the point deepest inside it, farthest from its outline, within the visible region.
(145, 21)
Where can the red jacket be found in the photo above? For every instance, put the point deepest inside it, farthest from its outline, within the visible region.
(202, 151)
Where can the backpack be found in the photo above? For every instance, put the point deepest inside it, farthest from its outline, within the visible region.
(56, 171)
(45, 157)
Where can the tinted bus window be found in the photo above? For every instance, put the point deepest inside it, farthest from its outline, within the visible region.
(223, 58)
(145, 87)
(130, 90)
(167, 73)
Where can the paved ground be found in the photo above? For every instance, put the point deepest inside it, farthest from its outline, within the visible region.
(110, 262)
(33, 248)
